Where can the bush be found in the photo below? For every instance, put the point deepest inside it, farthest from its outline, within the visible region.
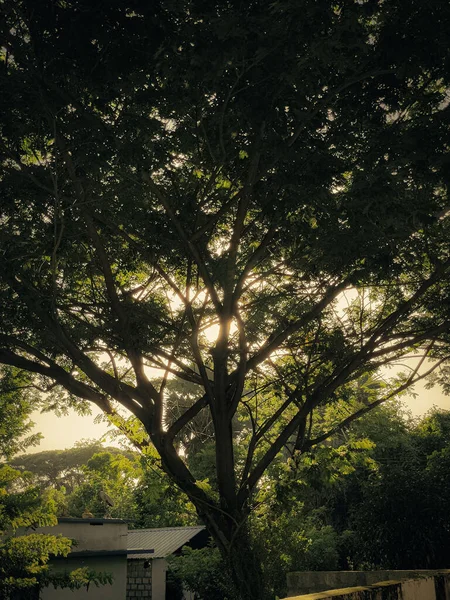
(203, 572)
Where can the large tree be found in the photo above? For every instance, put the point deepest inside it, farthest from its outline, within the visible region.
(249, 197)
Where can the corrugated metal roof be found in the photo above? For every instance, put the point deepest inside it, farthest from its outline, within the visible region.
(159, 542)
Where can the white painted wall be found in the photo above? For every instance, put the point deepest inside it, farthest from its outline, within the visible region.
(90, 536)
(115, 565)
(159, 568)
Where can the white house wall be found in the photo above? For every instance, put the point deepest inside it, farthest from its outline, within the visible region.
(159, 569)
(115, 565)
(92, 535)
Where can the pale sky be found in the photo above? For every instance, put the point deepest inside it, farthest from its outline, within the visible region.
(63, 432)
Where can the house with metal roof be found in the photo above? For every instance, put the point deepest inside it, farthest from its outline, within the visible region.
(147, 553)
(135, 559)
(101, 546)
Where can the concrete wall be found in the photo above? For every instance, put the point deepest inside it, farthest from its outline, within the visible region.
(431, 587)
(115, 565)
(159, 570)
(92, 535)
(308, 582)
(100, 545)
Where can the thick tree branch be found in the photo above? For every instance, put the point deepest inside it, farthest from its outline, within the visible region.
(189, 245)
(254, 259)
(58, 374)
(152, 403)
(361, 412)
(186, 417)
(340, 375)
(259, 434)
(276, 339)
(238, 226)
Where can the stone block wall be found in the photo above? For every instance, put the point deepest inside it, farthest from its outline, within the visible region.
(139, 580)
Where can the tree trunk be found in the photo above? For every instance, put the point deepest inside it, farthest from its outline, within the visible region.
(228, 528)
(242, 557)
(245, 566)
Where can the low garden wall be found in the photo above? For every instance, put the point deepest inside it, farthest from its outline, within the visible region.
(388, 585)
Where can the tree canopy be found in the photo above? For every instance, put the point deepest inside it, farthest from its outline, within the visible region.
(252, 198)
